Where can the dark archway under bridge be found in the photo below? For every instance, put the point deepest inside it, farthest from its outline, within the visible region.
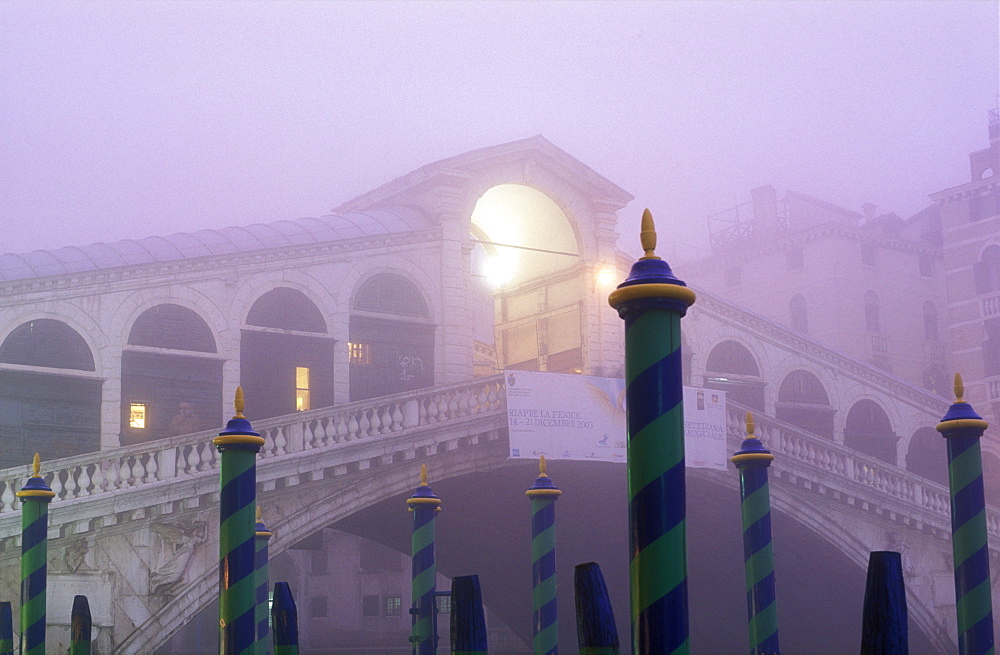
(484, 529)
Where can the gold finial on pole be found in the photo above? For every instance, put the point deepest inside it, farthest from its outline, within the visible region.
(259, 515)
(541, 467)
(750, 424)
(239, 403)
(647, 235)
(423, 475)
(36, 466)
(959, 389)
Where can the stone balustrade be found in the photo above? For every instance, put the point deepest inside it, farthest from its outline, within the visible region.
(813, 457)
(168, 460)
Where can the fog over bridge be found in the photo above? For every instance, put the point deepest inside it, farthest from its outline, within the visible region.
(370, 342)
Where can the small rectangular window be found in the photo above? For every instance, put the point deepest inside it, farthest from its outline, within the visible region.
(137, 416)
(301, 388)
(359, 353)
(443, 604)
(370, 605)
(393, 605)
(317, 607)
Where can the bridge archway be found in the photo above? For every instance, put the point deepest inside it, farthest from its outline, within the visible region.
(869, 430)
(51, 401)
(286, 354)
(391, 346)
(171, 375)
(803, 401)
(732, 368)
(527, 250)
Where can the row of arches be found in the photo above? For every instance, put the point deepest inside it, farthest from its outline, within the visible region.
(803, 400)
(172, 368)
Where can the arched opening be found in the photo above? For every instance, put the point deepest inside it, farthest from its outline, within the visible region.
(927, 455)
(732, 368)
(391, 347)
(797, 309)
(286, 356)
(56, 411)
(869, 431)
(803, 401)
(527, 255)
(171, 376)
(987, 270)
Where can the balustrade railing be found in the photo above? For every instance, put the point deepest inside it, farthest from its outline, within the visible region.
(801, 453)
(177, 458)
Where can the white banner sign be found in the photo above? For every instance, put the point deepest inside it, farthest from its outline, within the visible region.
(581, 417)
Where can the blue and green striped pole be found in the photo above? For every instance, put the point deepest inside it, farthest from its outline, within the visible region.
(962, 427)
(752, 460)
(6, 629)
(261, 537)
(424, 505)
(238, 446)
(652, 301)
(35, 498)
(543, 494)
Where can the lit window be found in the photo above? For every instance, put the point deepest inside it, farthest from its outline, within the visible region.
(359, 353)
(443, 604)
(301, 388)
(393, 605)
(137, 416)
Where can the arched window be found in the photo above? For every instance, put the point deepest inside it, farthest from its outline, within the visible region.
(54, 412)
(803, 401)
(391, 342)
(987, 270)
(286, 356)
(797, 308)
(730, 367)
(871, 312)
(868, 430)
(174, 327)
(930, 321)
(286, 309)
(388, 293)
(171, 378)
(47, 342)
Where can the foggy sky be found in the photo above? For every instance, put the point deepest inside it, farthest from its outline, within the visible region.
(124, 120)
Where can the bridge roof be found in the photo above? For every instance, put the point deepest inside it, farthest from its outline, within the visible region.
(207, 243)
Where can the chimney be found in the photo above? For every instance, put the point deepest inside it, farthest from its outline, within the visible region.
(765, 207)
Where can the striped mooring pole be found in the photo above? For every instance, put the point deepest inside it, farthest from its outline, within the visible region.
(543, 494)
(6, 629)
(752, 460)
(238, 446)
(962, 427)
(286, 621)
(652, 301)
(261, 537)
(424, 505)
(35, 498)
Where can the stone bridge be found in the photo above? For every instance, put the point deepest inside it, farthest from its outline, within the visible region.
(135, 528)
